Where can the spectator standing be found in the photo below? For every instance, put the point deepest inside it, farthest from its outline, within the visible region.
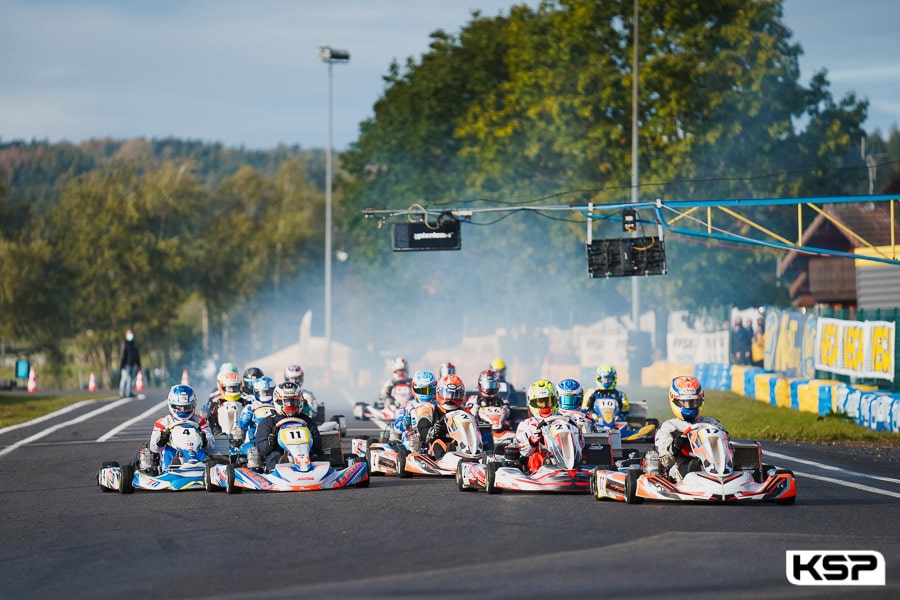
(736, 342)
(129, 364)
(758, 346)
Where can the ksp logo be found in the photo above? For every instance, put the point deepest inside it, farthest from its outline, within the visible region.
(835, 567)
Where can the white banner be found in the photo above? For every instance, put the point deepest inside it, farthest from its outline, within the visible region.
(696, 348)
(855, 348)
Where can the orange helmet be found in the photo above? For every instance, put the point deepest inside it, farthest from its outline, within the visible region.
(450, 392)
(686, 397)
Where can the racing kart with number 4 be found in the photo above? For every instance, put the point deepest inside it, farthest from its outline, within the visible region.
(185, 471)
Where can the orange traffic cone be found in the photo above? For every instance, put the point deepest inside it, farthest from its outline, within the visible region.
(185, 380)
(138, 381)
(32, 381)
(92, 382)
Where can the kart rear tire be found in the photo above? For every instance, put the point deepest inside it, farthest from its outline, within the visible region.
(208, 485)
(126, 479)
(365, 484)
(594, 486)
(490, 478)
(402, 473)
(230, 486)
(785, 501)
(631, 479)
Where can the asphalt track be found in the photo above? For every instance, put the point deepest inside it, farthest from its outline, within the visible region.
(411, 538)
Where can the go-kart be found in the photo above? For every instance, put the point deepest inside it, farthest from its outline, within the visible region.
(494, 423)
(406, 457)
(723, 471)
(296, 472)
(183, 473)
(381, 413)
(635, 428)
(563, 469)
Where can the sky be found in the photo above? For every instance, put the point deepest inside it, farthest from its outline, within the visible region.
(247, 74)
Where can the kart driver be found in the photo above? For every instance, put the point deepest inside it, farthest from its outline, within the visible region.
(400, 374)
(228, 389)
(423, 387)
(182, 402)
(543, 404)
(287, 401)
(489, 395)
(449, 395)
(607, 378)
(261, 407)
(685, 400)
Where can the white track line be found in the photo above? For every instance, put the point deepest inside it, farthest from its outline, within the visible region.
(49, 430)
(850, 484)
(830, 467)
(52, 415)
(129, 422)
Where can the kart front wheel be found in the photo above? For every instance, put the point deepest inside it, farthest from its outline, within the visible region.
(402, 473)
(490, 478)
(126, 479)
(208, 484)
(460, 483)
(631, 481)
(230, 486)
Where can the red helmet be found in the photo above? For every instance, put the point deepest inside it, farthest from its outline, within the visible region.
(488, 383)
(450, 392)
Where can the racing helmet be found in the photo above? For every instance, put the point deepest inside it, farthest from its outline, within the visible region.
(542, 400)
(423, 385)
(400, 367)
(607, 378)
(229, 383)
(498, 365)
(450, 392)
(309, 399)
(488, 383)
(287, 398)
(295, 374)
(686, 398)
(182, 401)
(251, 374)
(228, 367)
(264, 390)
(570, 394)
(447, 368)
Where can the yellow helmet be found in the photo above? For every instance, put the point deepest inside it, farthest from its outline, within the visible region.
(498, 365)
(542, 399)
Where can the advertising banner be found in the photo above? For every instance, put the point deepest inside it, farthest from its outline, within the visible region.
(856, 348)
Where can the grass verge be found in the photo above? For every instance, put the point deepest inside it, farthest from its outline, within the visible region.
(18, 408)
(751, 419)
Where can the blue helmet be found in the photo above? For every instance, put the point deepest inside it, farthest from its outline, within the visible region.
(423, 385)
(264, 390)
(570, 394)
(182, 401)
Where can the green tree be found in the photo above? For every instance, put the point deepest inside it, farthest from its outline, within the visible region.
(122, 240)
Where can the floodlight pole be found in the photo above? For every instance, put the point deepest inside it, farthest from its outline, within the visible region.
(635, 181)
(330, 56)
